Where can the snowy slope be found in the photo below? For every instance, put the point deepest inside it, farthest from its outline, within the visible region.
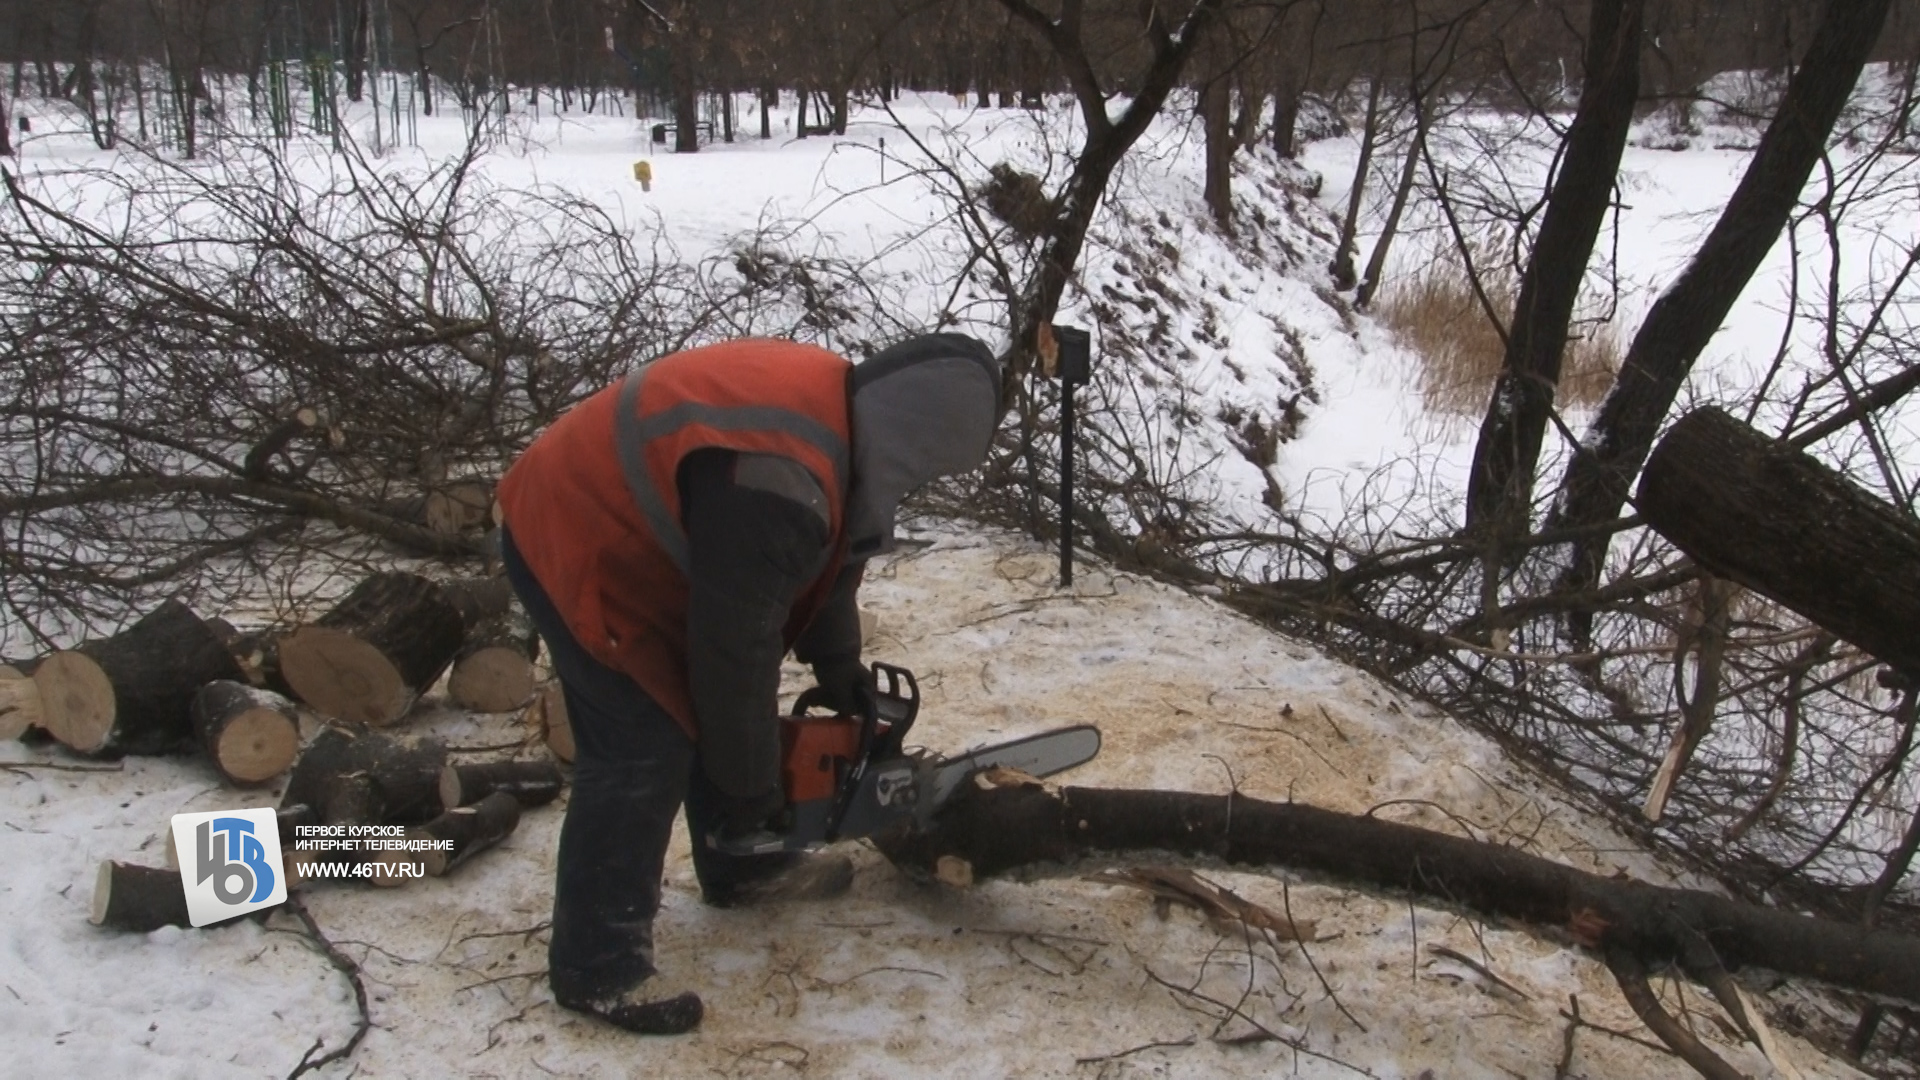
(1007, 978)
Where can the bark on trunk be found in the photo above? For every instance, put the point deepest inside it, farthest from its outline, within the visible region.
(1216, 104)
(1342, 266)
(470, 829)
(530, 783)
(1002, 828)
(547, 715)
(367, 779)
(250, 735)
(479, 599)
(1775, 520)
(286, 819)
(138, 899)
(1402, 192)
(370, 658)
(1688, 314)
(132, 693)
(1500, 487)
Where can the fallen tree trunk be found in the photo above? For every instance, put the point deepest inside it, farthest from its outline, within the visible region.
(131, 693)
(367, 778)
(370, 658)
(1775, 520)
(249, 734)
(999, 829)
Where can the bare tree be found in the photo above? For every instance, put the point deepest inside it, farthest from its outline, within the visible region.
(1693, 307)
(1499, 489)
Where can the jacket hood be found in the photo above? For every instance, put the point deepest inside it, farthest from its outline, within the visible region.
(923, 408)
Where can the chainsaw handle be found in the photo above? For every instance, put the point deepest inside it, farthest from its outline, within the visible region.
(896, 698)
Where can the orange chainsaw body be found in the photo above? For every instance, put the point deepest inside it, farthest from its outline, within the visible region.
(815, 752)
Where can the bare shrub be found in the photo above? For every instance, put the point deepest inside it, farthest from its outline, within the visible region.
(1436, 314)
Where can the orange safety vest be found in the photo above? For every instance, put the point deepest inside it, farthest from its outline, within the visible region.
(594, 503)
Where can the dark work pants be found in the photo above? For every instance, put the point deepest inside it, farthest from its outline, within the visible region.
(633, 767)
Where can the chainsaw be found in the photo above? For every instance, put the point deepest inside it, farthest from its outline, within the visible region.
(851, 776)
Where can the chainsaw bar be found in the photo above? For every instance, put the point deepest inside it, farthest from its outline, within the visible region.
(914, 788)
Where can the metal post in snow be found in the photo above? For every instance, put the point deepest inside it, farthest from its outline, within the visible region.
(1074, 367)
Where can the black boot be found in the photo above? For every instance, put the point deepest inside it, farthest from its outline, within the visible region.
(651, 1008)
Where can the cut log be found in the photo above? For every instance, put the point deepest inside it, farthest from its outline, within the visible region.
(548, 716)
(531, 783)
(138, 898)
(479, 599)
(1775, 520)
(142, 899)
(469, 829)
(367, 778)
(370, 658)
(132, 693)
(459, 506)
(287, 818)
(19, 703)
(998, 829)
(258, 654)
(251, 735)
(493, 672)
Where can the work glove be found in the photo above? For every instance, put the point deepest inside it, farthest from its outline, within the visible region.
(845, 684)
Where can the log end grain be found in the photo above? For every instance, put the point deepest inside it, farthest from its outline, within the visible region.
(491, 680)
(257, 746)
(251, 734)
(343, 677)
(20, 709)
(77, 700)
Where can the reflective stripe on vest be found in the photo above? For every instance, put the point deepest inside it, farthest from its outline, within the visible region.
(632, 432)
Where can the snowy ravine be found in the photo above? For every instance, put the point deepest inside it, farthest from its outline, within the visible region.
(1036, 978)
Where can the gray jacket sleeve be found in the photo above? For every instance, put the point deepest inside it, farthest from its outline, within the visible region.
(751, 552)
(833, 637)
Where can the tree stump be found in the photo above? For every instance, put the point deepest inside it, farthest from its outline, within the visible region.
(470, 829)
(531, 783)
(251, 735)
(493, 672)
(547, 715)
(19, 703)
(132, 693)
(370, 658)
(367, 778)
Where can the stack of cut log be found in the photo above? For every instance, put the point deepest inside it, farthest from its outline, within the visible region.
(172, 682)
(359, 778)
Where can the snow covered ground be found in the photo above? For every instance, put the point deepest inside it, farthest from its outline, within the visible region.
(1008, 978)
(1055, 977)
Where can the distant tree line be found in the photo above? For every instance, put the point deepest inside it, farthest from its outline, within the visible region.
(1260, 57)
